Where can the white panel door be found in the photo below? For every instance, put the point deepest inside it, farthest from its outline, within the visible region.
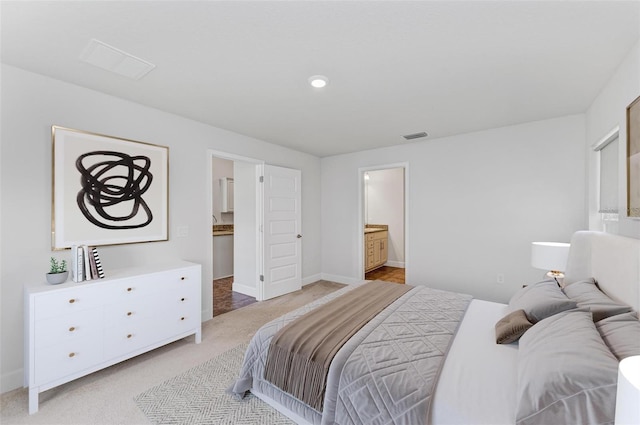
(282, 224)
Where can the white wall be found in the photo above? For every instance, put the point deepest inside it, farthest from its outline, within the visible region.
(475, 204)
(385, 205)
(30, 105)
(245, 265)
(607, 111)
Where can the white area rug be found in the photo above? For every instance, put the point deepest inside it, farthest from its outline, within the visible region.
(198, 396)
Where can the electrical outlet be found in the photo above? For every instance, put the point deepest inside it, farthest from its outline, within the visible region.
(500, 278)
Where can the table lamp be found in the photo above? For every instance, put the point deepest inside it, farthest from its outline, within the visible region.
(550, 256)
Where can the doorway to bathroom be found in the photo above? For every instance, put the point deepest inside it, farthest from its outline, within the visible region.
(384, 236)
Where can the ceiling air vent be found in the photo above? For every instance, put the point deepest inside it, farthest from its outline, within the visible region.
(107, 57)
(415, 135)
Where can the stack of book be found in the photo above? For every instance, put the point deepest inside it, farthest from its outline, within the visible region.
(85, 263)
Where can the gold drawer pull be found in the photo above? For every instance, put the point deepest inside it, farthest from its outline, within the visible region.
(129, 289)
(72, 354)
(129, 313)
(71, 329)
(72, 300)
(129, 336)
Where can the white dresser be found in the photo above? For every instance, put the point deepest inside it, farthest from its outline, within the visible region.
(74, 329)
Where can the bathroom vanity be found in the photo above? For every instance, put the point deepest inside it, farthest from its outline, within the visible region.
(376, 238)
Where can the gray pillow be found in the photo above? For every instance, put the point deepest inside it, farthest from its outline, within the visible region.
(621, 333)
(587, 294)
(566, 373)
(541, 300)
(511, 327)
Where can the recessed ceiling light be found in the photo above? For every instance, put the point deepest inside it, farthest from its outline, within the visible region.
(318, 81)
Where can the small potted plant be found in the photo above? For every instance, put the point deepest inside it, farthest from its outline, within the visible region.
(58, 272)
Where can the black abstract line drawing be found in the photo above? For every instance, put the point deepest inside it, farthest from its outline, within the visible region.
(114, 179)
(107, 190)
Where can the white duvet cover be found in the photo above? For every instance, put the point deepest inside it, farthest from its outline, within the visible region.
(478, 381)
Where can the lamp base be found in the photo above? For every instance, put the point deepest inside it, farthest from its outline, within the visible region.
(557, 276)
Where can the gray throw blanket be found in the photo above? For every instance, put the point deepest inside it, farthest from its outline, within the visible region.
(300, 353)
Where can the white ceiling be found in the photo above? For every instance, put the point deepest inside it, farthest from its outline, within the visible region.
(394, 67)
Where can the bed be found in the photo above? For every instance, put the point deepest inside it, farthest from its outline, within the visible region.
(415, 362)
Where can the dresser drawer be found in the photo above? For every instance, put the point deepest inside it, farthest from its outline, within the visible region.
(121, 340)
(180, 322)
(179, 296)
(68, 327)
(127, 290)
(67, 301)
(66, 358)
(130, 311)
(179, 279)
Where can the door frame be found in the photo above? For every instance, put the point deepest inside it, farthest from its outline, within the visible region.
(207, 310)
(361, 218)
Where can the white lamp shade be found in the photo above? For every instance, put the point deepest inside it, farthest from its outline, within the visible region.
(549, 255)
(628, 395)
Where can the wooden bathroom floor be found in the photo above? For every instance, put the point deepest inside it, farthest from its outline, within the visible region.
(225, 300)
(386, 273)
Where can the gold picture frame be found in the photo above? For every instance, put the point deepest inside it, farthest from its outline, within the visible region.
(633, 159)
(107, 190)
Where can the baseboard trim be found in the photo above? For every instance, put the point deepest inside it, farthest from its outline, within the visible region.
(251, 291)
(399, 264)
(340, 279)
(11, 381)
(310, 279)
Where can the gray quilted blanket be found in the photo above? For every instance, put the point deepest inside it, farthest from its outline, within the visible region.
(385, 374)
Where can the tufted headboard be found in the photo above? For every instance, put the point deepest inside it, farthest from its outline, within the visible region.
(614, 261)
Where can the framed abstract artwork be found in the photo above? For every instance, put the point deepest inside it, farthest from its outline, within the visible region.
(107, 190)
(633, 159)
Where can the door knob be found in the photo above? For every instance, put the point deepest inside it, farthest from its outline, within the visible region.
(299, 236)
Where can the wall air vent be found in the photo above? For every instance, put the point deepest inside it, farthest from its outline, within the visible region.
(415, 135)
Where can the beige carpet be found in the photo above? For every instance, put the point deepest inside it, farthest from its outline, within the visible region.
(107, 396)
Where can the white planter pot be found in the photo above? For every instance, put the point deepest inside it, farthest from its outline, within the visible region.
(57, 278)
